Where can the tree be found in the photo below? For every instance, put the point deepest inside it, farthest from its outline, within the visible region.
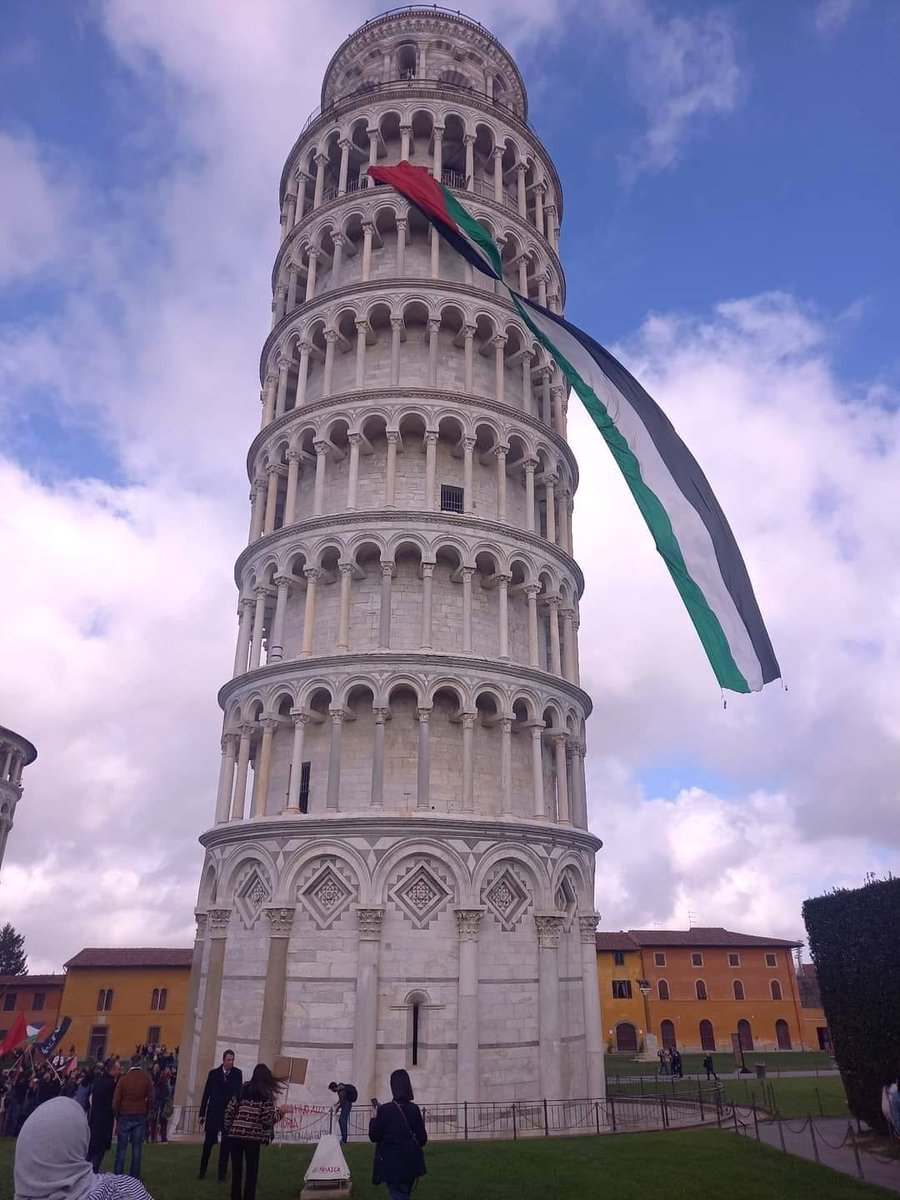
(13, 959)
(853, 941)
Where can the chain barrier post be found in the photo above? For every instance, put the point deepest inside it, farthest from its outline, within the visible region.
(465, 1120)
(546, 1123)
(734, 1113)
(852, 1139)
(665, 1111)
(515, 1131)
(597, 1114)
(756, 1122)
(781, 1134)
(812, 1134)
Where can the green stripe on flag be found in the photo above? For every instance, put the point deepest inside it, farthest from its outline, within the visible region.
(473, 230)
(705, 621)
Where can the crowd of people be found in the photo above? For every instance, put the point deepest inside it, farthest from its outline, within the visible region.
(670, 1061)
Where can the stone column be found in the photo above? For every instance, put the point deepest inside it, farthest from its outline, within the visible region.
(552, 227)
(390, 480)
(402, 223)
(469, 331)
(546, 414)
(343, 638)
(269, 401)
(185, 1081)
(543, 279)
(312, 575)
(217, 923)
(368, 234)
(423, 759)
(311, 270)
(365, 1024)
(271, 499)
(321, 162)
(500, 453)
(527, 401)
(520, 189)
(342, 181)
(302, 374)
(226, 779)
(499, 343)
(259, 617)
(549, 485)
(593, 1029)
(240, 784)
(549, 929)
(294, 458)
(562, 779)
(563, 538)
(434, 327)
(528, 466)
(537, 770)
(280, 302)
(284, 366)
(405, 131)
(557, 392)
(579, 799)
(337, 260)
(467, 573)
(302, 181)
(468, 921)
(498, 173)
(384, 615)
(377, 792)
(470, 162)
(328, 369)
(437, 162)
(333, 795)
(269, 725)
(272, 1023)
(245, 609)
(292, 288)
(396, 330)
(431, 438)
(539, 208)
(276, 641)
(531, 591)
(468, 498)
(301, 720)
(553, 610)
(503, 613)
(321, 449)
(506, 765)
(362, 330)
(427, 588)
(468, 767)
(568, 624)
(353, 474)
(373, 153)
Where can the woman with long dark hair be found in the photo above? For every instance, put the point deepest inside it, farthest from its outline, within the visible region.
(250, 1120)
(398, 1131)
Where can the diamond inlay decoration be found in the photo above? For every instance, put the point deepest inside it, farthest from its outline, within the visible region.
(421, 894)
(506, 897)
(252, 892)
(326, 896)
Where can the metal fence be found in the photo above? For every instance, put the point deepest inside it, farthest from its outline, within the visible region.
(808, 1137)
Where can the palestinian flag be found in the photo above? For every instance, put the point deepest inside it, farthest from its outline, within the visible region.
(685, 519)
(33, 1032)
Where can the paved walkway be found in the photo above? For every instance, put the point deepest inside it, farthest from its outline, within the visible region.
(834, 1147)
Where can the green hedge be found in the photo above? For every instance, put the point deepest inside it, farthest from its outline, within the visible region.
(854, 939)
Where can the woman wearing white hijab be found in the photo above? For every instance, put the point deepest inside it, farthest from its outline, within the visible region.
(51, 1159)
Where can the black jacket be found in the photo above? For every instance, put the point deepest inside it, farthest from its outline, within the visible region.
(100, 1118)
(217, 1093)
(399, 1135)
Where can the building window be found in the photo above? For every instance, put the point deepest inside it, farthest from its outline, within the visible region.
(738, 988)
(303, 802)
(97, 1043)
(158, 999)
(451, 498)
(707, 1036)
(734, 960)
(619, 958)
(621, 989)
(745, 1034)
(416, 1021)
(37, 1004)
(701, 990)
(153, 1035)
(659, 959)
(775, 989)
(417, 1004)
(667, 1033)
(771, 960)
(783, 1035)
(662, 989)
(9, 1001)
(104, 999)
(696, 960)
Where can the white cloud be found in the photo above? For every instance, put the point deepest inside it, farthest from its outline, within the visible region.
(830, 16)
(33, 203)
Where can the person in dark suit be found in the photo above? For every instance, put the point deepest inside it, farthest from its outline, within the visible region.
(221, 1084)
(101, 1117)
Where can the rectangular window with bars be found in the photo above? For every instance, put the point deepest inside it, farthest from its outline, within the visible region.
(451, 498)
(619, 958)
(303, 802)
(621, 989)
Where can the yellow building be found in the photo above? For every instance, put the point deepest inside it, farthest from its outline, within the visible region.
(37, 997)
(696, 988)
(120, 999)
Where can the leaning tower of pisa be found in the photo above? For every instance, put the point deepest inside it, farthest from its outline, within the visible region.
(399, 872)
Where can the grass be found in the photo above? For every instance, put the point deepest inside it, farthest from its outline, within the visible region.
(792, 1097)
(775, 1060)
(695, 1165)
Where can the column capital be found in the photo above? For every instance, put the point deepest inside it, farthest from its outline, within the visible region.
(587, 925)
(467, 573)
(313, 252)
(506, 724)
(549, 929)
(551, 479)
(388, 567)
(498, 151)
(218, 919)
(280, 920)
(468, 443)
(339, 239)
(521, 167)
(331, 336)
(294, 456)
(321, 446)
(362, 326)
(273, 469)
(392, 435)
(337, 715)
(228, 740)
(431, 437)
(552, 601)
(423, 714)
(246, 604)
(369, 921)
(269, 724)
(469, 331)
(498, 341)
(438, 131)
(380, 714)
(428, 570)
(304, 348)
(397, 323)
(345, 142)
(567, 614)
(321, 158)
(346, 568)
(560, 740)
(283, 580)
(530, 465)
(402, 220)
(531, 589)
(468, 922)
(299, 717)
(311, 574)
(284, 364)
(368, 228)
(501, 450)
(262, 590)
(434, 324)
(246, 730)
(468, 719)
(202, 920)
(469, 139)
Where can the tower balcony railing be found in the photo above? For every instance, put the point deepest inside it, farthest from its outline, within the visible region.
(373, 89)
(452, 179)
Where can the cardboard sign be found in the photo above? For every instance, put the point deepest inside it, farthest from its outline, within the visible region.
(293, 1070)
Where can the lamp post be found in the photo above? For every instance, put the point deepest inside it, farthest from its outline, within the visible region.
(644, 989)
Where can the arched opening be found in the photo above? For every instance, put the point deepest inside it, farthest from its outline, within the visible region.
(626, 1038)
(738, 988)
(775, 989)
(707, 1035)
(417, 1006)
(782, 1034)
(667, 1034)
(745, 1035)
(662, 989)
(700, 987)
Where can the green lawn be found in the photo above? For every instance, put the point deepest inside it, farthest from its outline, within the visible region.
(775, 1060)
(701, 1165)
(792, 1097)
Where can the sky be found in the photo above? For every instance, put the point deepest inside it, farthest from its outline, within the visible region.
(731, 188)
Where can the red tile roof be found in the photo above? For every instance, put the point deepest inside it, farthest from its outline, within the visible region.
(30, 981)
(704, 936)
(807, 971)
(616, 941)
(131, 957)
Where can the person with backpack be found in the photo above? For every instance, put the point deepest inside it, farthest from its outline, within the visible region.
(347, 1095)
(250, 1119)
(709, 1068)
(398, 1131)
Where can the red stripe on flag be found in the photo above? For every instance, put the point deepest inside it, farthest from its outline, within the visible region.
(419, 186)
(17, 1034)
